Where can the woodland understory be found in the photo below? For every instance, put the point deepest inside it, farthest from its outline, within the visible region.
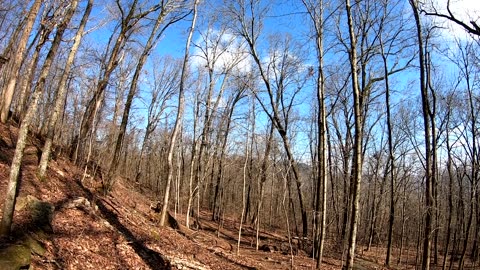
(347, 125)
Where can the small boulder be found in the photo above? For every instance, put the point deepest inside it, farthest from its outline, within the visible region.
(172, 222)
(15, 257)
(35, 245)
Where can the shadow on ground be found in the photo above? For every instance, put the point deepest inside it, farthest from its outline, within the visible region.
(152, 258)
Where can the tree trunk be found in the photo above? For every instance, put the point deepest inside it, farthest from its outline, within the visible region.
(191, 190)
(402, 233)
(358, 142)
(216, 205)
(151, 42)
(25, 85)
(7, 93)
(263, 179)
(391, 159)
(96, 101)
(11, 192)
(450, 192)
(62, 93)
(428, 151)
(179, 118)
(244, 201)
(315, 12)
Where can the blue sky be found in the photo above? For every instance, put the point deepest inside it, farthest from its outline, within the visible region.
(284, 17)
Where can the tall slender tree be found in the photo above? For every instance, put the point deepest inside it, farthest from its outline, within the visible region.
(358, 140)
(166, 8)
(316, 11)
(179, 115)
(62, 93)
(9, 205)
(17, 58)
(427, 233)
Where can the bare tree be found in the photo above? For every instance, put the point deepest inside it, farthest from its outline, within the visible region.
(316, 12)
(166, 72)
(19, 54)
(427, 136)
(127, 26)
(228, 115)
(248, 152)
(62, 93)
(276, 76)
(357, 144)
(179, 116)
(263, 179)
(391, 39)
(219, 54)
(166, 8)
(11, 192)
(467, 69)
(30, 67)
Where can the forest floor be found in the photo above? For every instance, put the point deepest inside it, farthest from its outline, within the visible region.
(120, 231)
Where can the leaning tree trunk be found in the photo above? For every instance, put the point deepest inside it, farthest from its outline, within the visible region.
(62, 92)
(7, 93)
(179, 118)
(11, 193)
(92, 107)
(152, 40)
(30, 70)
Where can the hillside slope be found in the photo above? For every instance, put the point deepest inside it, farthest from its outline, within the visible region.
(119, 231)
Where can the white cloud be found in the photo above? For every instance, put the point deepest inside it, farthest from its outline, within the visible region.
(221, 51)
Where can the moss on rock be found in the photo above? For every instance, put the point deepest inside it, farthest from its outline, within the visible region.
(15, 257)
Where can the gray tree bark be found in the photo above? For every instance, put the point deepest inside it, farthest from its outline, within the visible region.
(357, 144)
(179, 117)
(428, 165)
(7, 93)
(62, 92)
(151, 42)
(9, 205)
